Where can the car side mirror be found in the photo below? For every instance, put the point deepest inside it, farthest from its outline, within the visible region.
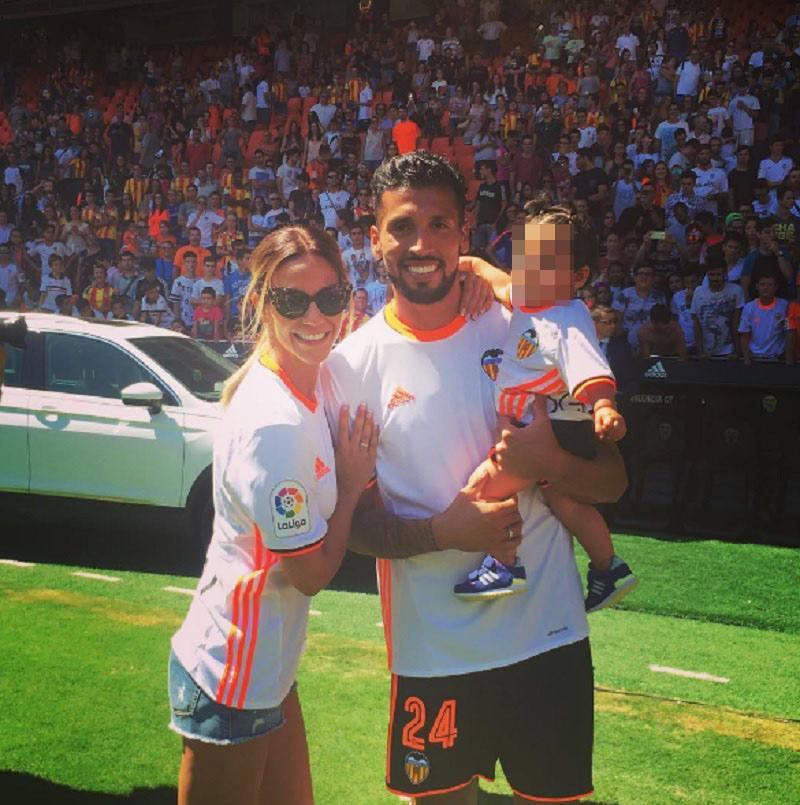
(143, 395)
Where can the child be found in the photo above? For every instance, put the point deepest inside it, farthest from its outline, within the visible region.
(207, 317)
(182, 291)
(153, 306)
(552, 350)
(209, 280)
(54, 284)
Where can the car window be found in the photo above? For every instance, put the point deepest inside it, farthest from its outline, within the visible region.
(198, 368)
(81, 365)
(15, 362)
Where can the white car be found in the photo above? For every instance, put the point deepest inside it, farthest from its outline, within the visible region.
(110, 410)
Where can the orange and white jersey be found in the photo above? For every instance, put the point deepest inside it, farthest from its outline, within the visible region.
(553, 351)
(432, 395)
(274, 490)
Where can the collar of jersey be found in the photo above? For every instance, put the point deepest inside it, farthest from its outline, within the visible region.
(267, 360)
(768, 307)
(537, 309)
(390, 317)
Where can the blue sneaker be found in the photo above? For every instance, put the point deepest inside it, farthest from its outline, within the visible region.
(606, 587)
(492, 580)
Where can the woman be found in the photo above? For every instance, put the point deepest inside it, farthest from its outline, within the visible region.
(293, 139)
(284, 499)
(256, 226)
(476, 116)
(158, 214)
(316, 136)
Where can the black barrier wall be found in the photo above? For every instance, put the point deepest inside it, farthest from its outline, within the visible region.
(713, 449)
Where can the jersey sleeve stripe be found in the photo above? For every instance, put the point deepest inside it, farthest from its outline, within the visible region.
(532, 384)
(553, 799)
(300, 551)
(579, 393)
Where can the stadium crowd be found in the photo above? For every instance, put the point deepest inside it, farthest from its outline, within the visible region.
(137, 181)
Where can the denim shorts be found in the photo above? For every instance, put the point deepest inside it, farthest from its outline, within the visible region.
(195, 715)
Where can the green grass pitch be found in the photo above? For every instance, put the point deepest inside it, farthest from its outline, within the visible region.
(83, 677)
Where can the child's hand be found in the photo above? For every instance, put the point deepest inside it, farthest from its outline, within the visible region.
(609, 423)
(476, 296)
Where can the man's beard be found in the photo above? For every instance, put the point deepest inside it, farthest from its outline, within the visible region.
(423, 295)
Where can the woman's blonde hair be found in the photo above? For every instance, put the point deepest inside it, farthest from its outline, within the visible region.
(274, 250)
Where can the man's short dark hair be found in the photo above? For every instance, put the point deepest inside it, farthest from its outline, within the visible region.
(659, 314)
(419, 170)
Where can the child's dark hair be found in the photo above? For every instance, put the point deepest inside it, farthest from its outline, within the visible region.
(419, 170)
(208, 290)
(583, 250)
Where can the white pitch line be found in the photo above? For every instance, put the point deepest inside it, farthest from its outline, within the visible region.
(379, 624)
(181, 590)
(95, 576)
(665, 669)
(314, 612)
(16, 563)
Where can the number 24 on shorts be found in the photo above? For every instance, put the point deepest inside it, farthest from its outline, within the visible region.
(443, 730)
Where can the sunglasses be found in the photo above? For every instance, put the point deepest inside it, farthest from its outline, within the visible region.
(291, 303)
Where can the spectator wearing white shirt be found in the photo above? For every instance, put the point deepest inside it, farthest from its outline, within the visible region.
(324, 109)
(491, 31)
(263, 102)
(628, 41)
(687, 82)
(712, 183)
(775, 168)
(742, 109)
(9, 277)
(205, 220)
(425, 46)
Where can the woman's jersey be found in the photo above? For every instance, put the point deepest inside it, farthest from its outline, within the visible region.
(552, 351)
(274, 490)
(432, 395)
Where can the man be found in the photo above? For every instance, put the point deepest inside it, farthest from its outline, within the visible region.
(635, 302)
(324, 109)
(490, 202)
(762, 328)
(405, 133)
(712, 183)
(426, 372)
(715, 312)
(591, 183)
(9, 277)
(333, 199)
(742, 110)
(665, 142)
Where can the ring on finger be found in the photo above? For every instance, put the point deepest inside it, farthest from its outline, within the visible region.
(363, 445)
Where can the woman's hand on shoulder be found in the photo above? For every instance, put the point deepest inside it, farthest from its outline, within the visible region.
(356, 451)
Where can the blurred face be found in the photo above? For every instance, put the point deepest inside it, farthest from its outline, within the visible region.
(419, 235)
(360, 300)
(674, 283)
(357, 237)
(716, 278)
(190, 264)
(643, 278)
(541, 264)
(732, 251)
(305, 341)
(605, 324)
(99, 275)
(766, 288)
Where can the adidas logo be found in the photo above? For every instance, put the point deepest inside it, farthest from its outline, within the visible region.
(231, 352)
(656, 371)
(320, 468)
(399, 397)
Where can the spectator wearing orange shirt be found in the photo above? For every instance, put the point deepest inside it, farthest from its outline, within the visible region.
(192, 246)
(405, 132)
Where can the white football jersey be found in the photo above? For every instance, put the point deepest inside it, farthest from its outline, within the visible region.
(552, 351)
(274, 490)
(432, 395)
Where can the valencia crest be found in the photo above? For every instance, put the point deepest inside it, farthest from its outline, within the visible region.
(490, 362)
(418, 767)
(527, 344)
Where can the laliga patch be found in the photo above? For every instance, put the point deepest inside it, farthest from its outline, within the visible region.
(418, 767)
(490, 362)
(289, 505)
(528, 344)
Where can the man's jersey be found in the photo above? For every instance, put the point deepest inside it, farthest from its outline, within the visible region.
(274, 490)
(432, 395)
(766, 325)
(680, 308)
(552, 351)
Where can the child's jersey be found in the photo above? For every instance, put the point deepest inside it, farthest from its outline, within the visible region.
(553, 351)
(274, 490)
(766, 325)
